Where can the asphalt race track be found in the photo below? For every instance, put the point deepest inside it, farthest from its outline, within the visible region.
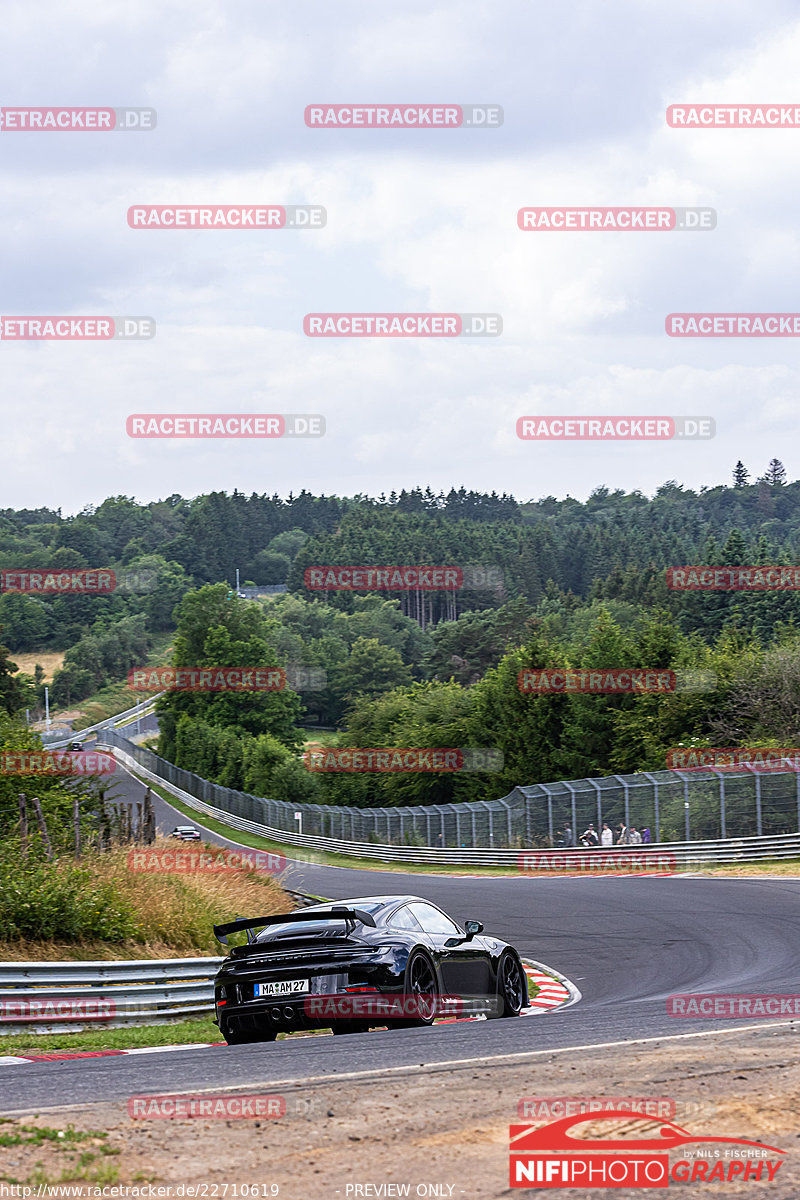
(627, 943)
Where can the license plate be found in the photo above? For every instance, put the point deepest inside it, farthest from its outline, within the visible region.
(282, 987)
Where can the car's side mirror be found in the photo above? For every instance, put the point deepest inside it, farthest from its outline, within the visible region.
(471, 928)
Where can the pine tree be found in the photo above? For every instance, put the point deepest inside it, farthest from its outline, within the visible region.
(740, 475)
(775, 474)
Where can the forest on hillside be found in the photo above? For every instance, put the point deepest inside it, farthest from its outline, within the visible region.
(573, 584)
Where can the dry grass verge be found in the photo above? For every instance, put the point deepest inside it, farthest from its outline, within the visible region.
(173, 913)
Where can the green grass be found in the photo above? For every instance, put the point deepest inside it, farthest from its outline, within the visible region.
(117, 697)
(67, 1161)
(12, 1134)
(198, 1029)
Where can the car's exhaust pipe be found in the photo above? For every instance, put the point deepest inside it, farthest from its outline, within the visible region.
(275, 1013)
(288, 1013)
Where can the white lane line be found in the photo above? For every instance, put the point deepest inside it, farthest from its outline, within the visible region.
(157, 1049)
(433, 1068)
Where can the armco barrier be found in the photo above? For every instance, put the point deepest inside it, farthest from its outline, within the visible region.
(53, 997)
(686, 854)
(141, 709)
(151, 991)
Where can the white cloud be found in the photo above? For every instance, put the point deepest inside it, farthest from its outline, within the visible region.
(416, 222)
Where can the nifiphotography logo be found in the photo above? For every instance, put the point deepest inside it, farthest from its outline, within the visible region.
(554, 1156)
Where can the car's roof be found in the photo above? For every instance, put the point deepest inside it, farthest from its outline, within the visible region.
(371, 904)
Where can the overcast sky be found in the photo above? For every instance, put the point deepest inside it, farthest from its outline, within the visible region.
(417, 221)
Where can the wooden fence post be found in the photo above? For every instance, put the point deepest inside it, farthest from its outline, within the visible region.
(23, 824)
(37, 808)
(76, 824)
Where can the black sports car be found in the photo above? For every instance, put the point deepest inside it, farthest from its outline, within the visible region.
(352, 964)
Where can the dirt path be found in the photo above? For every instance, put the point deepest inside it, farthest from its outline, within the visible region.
(444, 1133)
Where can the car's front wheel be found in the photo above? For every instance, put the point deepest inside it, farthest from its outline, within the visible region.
(512, 986)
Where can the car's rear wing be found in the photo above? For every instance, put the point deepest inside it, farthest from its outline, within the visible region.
(355, 915)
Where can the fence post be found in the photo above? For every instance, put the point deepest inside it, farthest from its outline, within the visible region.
(549, 815)
(627, 802)
(23, 819)
(759, 824)
(76, 824)
(656, 812)
(571, 791)
(37, 808)
(598, 789)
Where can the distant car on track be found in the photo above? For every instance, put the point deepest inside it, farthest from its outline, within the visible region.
(76, 746)
(353, 964)
(186, 833)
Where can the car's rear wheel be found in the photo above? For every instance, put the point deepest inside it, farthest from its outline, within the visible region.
(235, 1036)
(351, 1026)
(420, 992)
(512, 986)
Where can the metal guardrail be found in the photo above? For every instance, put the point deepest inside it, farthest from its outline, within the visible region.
(66, 997)
(151, 991)
(141, 709)
(659, 857)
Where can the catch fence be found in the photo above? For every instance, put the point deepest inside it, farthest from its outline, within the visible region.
(676, 806)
